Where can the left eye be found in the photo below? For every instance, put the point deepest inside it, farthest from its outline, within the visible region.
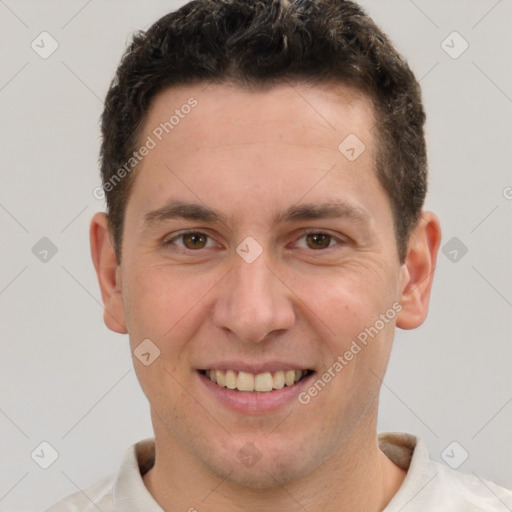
(317, 240)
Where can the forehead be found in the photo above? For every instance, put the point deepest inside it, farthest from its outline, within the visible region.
(222, 142)
(288, 112)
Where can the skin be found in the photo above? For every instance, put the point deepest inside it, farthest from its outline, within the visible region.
(251, 155)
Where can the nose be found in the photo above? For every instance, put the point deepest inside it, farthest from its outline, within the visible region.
(253, 302)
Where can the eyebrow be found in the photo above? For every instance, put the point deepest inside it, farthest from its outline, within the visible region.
(295, 213)
(184, 210)
(312, 211)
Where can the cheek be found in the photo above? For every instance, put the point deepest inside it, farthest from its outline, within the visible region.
(163, 306)
(349, 298)
(167, 304)
(345, 310)
(156, 300)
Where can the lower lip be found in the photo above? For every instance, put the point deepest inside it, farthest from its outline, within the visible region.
(254, 402)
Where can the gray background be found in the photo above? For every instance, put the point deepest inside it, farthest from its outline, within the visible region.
(67, 380)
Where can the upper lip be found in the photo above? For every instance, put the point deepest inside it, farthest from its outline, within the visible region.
(255, 368)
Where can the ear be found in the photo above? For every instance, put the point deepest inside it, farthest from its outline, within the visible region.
(418, 271)
(108, 272)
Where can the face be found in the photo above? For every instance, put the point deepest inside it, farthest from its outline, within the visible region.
(256, 253)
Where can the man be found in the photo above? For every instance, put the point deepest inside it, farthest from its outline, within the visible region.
(264, 166)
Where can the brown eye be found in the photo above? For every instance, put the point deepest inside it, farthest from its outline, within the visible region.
(194, 240)
(318, 240)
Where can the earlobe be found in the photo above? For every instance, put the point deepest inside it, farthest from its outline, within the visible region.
(418, 271)
(108, 273)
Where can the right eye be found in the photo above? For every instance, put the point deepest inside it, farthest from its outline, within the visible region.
(191, 240)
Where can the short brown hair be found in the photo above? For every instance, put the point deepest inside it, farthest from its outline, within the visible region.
(265, 42)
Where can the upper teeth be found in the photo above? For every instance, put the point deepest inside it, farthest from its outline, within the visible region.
(244, 381)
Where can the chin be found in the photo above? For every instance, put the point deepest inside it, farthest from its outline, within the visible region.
(262, 477)
(267, 467)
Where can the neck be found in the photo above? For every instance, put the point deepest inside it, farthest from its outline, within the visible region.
(358, 476)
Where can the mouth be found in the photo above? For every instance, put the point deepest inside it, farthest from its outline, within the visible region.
(265, 382)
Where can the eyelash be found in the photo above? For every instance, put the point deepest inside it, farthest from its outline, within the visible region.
(340, 241)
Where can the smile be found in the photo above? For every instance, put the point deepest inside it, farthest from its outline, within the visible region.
(261, 382)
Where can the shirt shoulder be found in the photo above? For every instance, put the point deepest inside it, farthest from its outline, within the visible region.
(430, 485)
(97, 496)
(122, 492)
(467, 492)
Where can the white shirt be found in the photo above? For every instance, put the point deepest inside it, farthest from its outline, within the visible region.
(428, 486)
